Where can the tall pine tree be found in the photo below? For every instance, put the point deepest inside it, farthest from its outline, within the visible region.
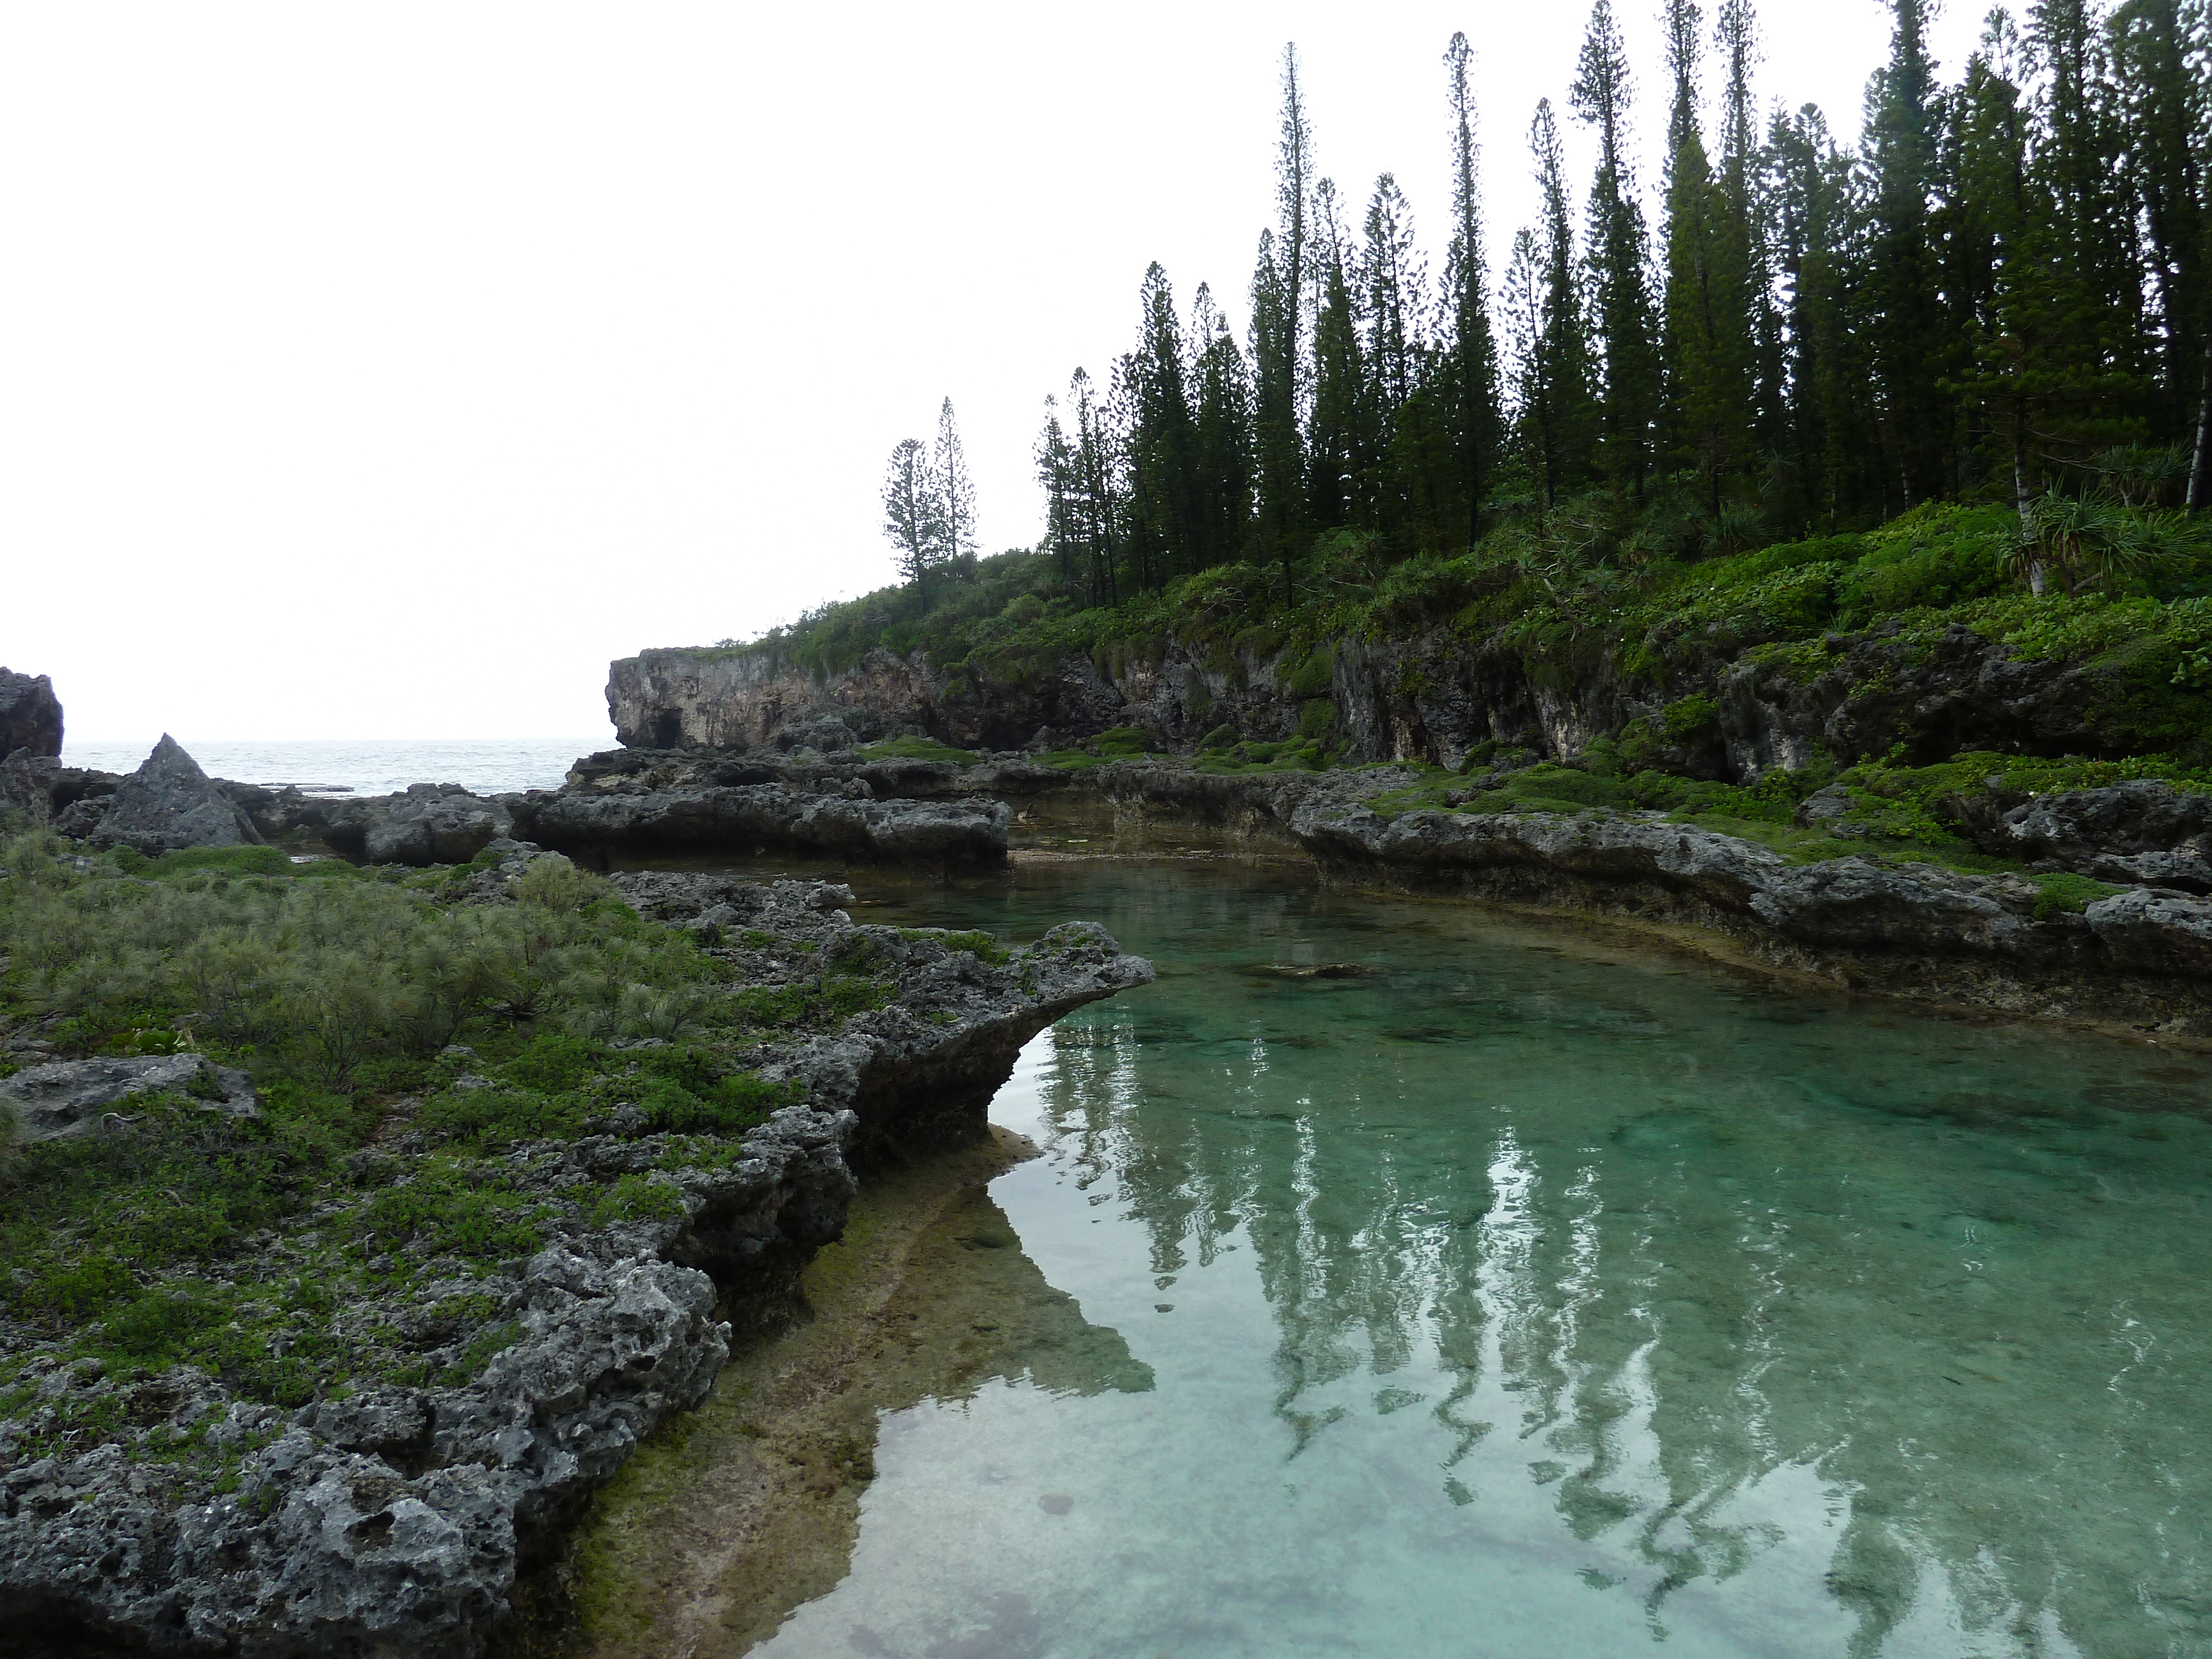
(1468, 398)
(1706, 319)
(1619, 253)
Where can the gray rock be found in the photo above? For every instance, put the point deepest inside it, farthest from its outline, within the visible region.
(73, 1098)
(25, 798)
(742, 816)
(2143, 830)
(30, 718)
(430, 823)
(393, 1522)
(168, 803)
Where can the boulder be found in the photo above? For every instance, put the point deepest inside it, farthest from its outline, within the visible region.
(2144, 831)
(431, 824)
(24, 797)
(72, 1098)
(168, 803)
(29, 717)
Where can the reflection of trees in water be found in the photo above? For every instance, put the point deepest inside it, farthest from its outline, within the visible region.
(1708, 1329)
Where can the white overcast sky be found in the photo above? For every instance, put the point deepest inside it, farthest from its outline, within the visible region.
(384, 370)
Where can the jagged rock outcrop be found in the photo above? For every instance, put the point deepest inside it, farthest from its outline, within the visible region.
(747, 817)
(2144, 831)
(72, 1098)
(167, 804)
(30, 715)
(392, 1521)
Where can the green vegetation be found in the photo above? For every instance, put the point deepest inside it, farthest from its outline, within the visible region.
(917, 748)
(412, 1057)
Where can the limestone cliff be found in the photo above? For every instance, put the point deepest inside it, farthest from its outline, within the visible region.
(1725, 712)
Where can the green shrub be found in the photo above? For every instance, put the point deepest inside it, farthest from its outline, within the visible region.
(2062, 894)
(1312, 677)
(1222, 737)
(192, 861)
(917, 748)
(443, 1210)
(1126, 740)
(499, 1117)
(554, 1061)
(1689, 717)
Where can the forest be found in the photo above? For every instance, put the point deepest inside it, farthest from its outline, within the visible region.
(1999, 295)
(1953, 378)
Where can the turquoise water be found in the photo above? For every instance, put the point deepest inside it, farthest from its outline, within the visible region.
(1526, 1296)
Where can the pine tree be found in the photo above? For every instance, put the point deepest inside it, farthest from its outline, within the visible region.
(1619, 253)
(1814, 225)
(1340, 445)
(1161, 440)
(1470, 392)
(1736, 34)
(2162, 52)
(1280, 300)
(1098, 505)
(1224, 434)
(1707, 329)
(1978, 222)
(913, 515)
(1056, 473)
(1569, 413)
(1913, 355)
(955, 489)
(1407, 483)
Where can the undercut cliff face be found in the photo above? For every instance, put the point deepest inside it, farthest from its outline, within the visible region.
(1725, 713)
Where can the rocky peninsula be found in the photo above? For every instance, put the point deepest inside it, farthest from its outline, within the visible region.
(364, 1219)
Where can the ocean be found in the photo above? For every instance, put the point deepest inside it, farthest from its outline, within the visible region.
(364, 766)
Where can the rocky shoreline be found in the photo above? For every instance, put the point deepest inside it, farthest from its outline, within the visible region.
(173, 1513)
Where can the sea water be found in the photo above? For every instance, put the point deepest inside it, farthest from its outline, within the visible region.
(1505, 1293)
(362, 766)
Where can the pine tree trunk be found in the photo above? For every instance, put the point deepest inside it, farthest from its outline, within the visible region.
(2200, 468)
(2024, 502)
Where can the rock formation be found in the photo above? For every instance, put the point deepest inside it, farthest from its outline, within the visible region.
(168, 802)
(392, 1520)
(73, 1098)
(1430, 696)
(30, 718)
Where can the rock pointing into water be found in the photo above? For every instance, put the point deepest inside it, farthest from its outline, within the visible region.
(167, 804)
(744, 817)
(391, 1522)
(30, 718)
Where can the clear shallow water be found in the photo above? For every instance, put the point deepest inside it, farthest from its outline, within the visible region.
(1521, 1298)
(365, 767)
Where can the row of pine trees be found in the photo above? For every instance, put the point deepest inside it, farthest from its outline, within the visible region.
(2001, 291)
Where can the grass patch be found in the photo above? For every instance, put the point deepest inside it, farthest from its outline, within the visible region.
(917, 748)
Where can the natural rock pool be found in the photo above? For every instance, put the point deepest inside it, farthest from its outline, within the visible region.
(1507, 1292)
